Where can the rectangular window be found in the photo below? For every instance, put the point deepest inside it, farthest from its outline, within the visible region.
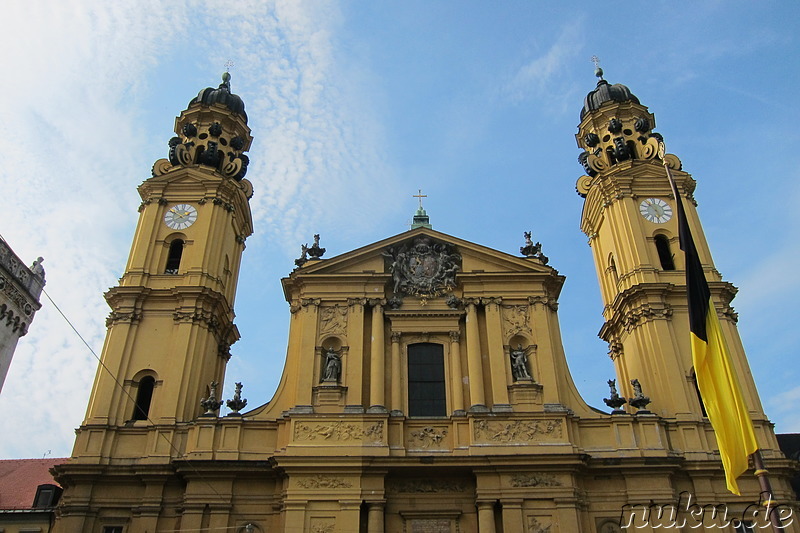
(426, 390)
(112, 529)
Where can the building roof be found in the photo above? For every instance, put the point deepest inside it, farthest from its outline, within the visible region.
(19, 479)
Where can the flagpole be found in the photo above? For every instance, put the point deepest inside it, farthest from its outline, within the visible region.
(758, 462)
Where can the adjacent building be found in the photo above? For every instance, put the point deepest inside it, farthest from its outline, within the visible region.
(20, 288)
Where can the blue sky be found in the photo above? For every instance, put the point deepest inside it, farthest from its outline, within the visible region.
(356, 105)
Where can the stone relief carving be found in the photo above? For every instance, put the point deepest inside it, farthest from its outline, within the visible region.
(333, 320)
(323, 482)
(322, 527)
(429, 436)
(425, 485)
(338, 431)
(534, 526)
(534, 480)
(517, 431)
(429, 525)
(516, 320)
(423, 267)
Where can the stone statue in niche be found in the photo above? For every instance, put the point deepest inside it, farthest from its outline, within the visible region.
(423, 267)
(332, 370)
(519, 364)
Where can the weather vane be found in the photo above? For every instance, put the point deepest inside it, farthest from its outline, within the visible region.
(228, 65)
(420, 196)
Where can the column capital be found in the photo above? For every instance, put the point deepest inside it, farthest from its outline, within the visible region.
(396, 336)
(455, 336)
(377, 303)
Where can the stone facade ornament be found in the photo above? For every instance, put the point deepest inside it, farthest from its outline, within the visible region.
(237, 403)
(615, 401)
(639, 400)
(211, 404)
(315, 251)
(423, 267)
(532, 251)
(332, 370)
(303, 259)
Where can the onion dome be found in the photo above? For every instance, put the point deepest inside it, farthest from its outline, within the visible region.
(606, 92)
(221, 95)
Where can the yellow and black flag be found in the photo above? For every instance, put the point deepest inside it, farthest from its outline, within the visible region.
(716, 377)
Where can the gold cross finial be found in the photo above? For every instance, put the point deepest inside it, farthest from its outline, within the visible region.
(420, 196)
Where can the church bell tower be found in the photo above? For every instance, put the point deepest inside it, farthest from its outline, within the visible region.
(629, 215)
(171, 321)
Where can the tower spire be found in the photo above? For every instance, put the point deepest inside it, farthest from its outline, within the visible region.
(421, 218)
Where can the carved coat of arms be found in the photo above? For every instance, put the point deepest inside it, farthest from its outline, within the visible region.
(423, 267)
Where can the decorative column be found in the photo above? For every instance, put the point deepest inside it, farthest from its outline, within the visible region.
(486, 517)
(355, 367)
(377, 360)
(497, 360)
(397, 384)
(306, 361)
(512, 515)
(474, 365)
(457, 378)
(375, 517)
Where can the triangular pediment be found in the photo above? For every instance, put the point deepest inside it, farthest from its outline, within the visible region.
(474, 257)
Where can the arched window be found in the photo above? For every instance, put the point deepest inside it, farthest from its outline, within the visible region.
(144, 397)
(664, 253)
(612, 267)
(174, 257)
(426, 390)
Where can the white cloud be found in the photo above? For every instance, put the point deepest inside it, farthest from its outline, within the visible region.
(545, 75)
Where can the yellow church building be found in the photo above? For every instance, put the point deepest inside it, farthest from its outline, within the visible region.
(425, 387)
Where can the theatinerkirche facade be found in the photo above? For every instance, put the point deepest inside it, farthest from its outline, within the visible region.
(425, 387)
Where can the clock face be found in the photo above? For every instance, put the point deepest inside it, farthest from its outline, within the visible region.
(655, 210)
(180, 216)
